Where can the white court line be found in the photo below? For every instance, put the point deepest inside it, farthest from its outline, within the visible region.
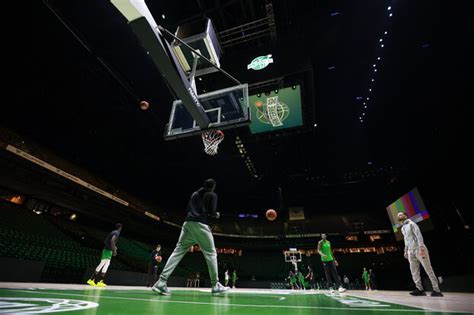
(428, 309)
(231, 304)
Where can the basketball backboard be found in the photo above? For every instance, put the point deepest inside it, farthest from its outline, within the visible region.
(293, 256)
(226, 108)
(194, 51)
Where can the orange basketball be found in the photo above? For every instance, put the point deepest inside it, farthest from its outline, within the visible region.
(259, 103)
(271, 214)
(158, 258)
(144, 105)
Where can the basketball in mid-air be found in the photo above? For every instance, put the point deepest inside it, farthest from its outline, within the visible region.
(158, 258)
(144, 105)
(271, 214)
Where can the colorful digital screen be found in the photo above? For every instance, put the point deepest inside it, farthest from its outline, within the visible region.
(275, 110)
(412, 204)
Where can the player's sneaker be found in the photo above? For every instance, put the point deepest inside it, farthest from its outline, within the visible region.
(436, 293)
(219, 288)
(101, 284)
(341, 290)
(331, 291)
(417, 293)
(161, 288)
(91, 282)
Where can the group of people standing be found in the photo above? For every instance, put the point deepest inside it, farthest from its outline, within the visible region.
(228, 278)
(202, 205)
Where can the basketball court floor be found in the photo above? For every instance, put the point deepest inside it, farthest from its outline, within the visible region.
(34, 298)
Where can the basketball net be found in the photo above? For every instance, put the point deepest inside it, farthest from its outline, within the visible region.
(211, 140)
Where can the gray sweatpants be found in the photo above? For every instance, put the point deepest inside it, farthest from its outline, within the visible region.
(193, 233)
(415, 260)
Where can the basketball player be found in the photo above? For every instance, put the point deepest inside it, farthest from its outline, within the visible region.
(234, 278)
(292, 280)
(373, 281)
(346, 281)
(310, 278)
(329, 262)
(301, 280)
(195, 229)
(110, 249)
(366, 278)
(416, 253)
(226, 277)
(155, 259)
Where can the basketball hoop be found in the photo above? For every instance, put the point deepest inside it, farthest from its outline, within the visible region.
(211, 140)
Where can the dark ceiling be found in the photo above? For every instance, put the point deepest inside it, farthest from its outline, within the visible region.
(82, 101)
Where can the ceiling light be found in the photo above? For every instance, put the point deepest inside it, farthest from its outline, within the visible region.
(163, 16)
(385, 32)
(381, 40)
(381, 45)
(374, 65)
(390, 15)
(375, 70)
(378, 58)
(373, 80)
(389, 8)
(365, 106)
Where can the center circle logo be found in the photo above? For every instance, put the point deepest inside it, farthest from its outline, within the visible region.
(20, 305)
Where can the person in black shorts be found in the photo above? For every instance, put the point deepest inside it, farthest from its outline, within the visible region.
(310, 278)
(155, 259)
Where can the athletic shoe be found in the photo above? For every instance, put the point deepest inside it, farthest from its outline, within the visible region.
(101, 284)
(417, 293)
(161, 288)
(341, 290)
(436, 293)
(219, 288)
(91, 282)
(331, 291)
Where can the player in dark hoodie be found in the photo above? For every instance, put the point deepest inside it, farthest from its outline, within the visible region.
(202, 204)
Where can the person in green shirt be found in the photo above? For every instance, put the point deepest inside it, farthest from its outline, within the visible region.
(301, 281)
(329, 263)
(366, 278)
(292, 278)
(234, 278)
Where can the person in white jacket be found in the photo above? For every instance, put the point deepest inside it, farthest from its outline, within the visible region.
(417, 253)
